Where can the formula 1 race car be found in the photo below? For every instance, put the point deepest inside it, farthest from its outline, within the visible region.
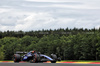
(34, 57)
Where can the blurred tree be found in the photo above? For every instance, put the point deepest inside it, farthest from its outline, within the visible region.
(2, 52)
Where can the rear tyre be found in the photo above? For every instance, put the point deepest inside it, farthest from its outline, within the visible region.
(17, 58)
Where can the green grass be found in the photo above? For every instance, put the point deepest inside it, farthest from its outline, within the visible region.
(81, 60)
(6, 60)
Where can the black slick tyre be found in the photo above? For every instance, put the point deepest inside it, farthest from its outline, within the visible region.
(54, 57)
(17, 58)
(53, 61)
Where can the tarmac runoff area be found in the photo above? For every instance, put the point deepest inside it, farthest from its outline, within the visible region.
(64, 62)
(46, 64)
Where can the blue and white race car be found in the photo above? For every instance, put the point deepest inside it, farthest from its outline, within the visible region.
(35, 57)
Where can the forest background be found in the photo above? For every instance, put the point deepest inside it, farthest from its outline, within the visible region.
(69, 44)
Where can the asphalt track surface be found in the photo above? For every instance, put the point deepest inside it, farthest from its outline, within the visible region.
(46, 64)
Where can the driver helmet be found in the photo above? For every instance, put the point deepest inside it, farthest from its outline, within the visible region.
(32, 51)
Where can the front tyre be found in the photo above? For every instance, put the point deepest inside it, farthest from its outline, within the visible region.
(53, 61)
(54, 57)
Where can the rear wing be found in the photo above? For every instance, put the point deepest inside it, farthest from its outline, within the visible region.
(19, 52)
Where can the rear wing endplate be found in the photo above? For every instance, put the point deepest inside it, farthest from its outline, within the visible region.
(19, 52)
